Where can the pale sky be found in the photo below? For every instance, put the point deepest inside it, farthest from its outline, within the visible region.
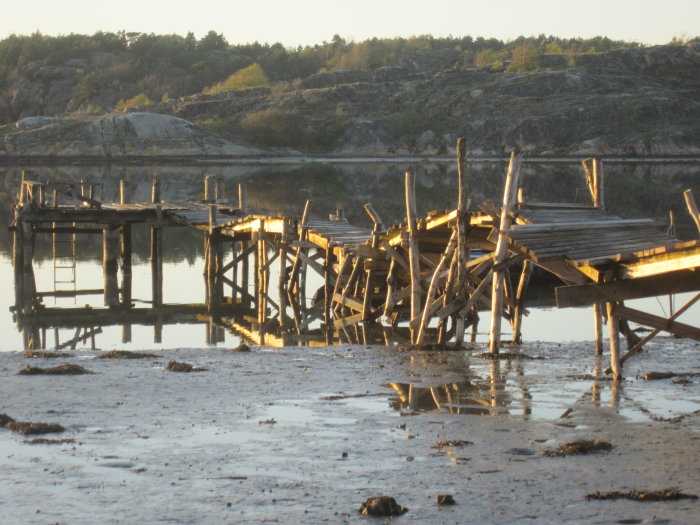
(294, 22)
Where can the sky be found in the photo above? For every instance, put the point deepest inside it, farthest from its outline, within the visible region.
(308, 22)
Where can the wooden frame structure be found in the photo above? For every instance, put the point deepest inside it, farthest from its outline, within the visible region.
(423, 280)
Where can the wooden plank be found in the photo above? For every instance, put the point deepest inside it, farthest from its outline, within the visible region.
(620, 290)
(666, 262)
(656, 322)
(588, 225)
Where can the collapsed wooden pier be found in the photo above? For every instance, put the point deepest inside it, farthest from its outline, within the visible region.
(278, 280)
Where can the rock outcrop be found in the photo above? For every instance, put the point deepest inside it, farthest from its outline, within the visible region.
(122, 135)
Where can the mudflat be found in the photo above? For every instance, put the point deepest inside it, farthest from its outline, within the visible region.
(306, 435)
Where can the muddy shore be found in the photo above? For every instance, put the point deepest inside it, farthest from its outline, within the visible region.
(305, 435)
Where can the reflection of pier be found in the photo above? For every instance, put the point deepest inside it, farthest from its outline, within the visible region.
(308, 280)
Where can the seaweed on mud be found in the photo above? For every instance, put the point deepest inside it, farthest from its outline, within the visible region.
(179, 366)
(578, 447)
(446, 499)
(336, 397)
(381, 506)
(452, 443)
(653, 376)
(241, 348)
(47, 441)
(61, 370)
(642, 495)
(30, 428)
(45, 355)
(505, 356)
(125, 354)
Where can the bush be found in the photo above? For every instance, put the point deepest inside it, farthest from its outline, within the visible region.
(249, 77)
(274, 127)
(139, 100)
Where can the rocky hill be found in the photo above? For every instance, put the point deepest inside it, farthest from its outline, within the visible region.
(631, 102)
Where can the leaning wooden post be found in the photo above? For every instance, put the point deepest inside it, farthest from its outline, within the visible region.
(598, 327)
(692, 207)
(519, 301)
(293, 287)
(427, 313)
(509, 194)
(413, 251)
(369, 285)
(613, 326)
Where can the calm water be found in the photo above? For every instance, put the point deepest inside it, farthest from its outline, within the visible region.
(632, 190)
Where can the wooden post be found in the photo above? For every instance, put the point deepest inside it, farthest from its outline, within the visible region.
(156, 248)
(327, 290)
(110, 265)
(262, 276)
(218, 189)
(519, 300)
(125, 253)
(122, 192)
(598, 327)
(28, 283)
(282, 281)
(212, 262)
(613, 326)
(245, 274)
(599, 198)
(208, 190)
(594, 177)
(413, 251)
(243, 198)
(692, 207)
(509, 194)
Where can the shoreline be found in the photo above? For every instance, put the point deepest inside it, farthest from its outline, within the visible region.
(213, 160)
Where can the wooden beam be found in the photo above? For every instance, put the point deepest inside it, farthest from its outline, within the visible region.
(620, 290)
(636, 348)
(656, 322)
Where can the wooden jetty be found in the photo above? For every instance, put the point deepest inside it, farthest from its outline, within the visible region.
(425, 280)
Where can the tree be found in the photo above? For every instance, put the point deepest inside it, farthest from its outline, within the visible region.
(525, 57)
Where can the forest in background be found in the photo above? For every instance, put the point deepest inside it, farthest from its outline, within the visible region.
(375, 97)
(120, 70)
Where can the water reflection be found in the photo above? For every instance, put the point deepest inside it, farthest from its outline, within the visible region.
(632, 189)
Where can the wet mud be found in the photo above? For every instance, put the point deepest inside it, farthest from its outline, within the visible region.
(61, 370)
(307, 434)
